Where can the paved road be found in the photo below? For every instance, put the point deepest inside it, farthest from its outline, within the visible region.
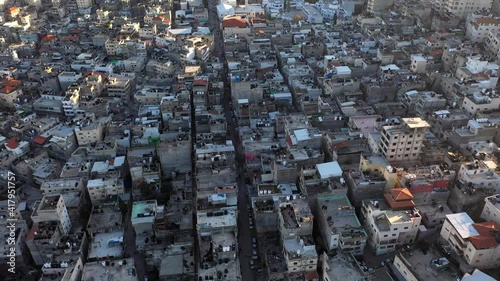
(244, 232)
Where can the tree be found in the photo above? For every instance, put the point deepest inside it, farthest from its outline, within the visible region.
(335, 18)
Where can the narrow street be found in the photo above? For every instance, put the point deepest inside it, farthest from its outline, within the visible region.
(244, 232)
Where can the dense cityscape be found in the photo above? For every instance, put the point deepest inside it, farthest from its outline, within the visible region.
(249, 140)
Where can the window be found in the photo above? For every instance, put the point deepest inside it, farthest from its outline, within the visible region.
(385, 235)
(406, 227)
(395, 229)
(394, 234)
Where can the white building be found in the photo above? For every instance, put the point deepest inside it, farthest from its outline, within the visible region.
(491, 210)
(418, 64)
(388, 228)
(52, 208)
(481, 102)
(478, 243)
(147, 32)
(492, 43)
(312, 14)
(67, 78)
(103, 189)
(478, 27)
(462, 8)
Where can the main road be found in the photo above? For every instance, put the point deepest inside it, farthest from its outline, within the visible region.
(244, 232)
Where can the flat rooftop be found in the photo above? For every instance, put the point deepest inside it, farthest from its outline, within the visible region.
(106, 245)
(420, 265)
(49, 202)
(339, 213)
(104, 217)
(343, 268)
(111, 271)
(142, 209)
(223, 218)
(415, 122)
(494, 200)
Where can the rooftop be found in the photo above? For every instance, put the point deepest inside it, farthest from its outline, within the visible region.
(225, 217)
(113, 270)
(463, 223)
(427, 266)
(49, 202)
(339, 213)
(108, 244)
(142, 209)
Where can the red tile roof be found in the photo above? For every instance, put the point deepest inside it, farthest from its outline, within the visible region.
(489, 232)
(400, 198)
(48, 38)
(12, 143)
(39, 140)
(401, 194)
(9, 85)
(235, 21)
(200, 82)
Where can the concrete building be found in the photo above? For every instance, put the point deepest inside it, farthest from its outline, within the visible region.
(52, 208)
(172, 154)
(403, 142)
(482, 101)
(478, 27)
(418, 64)
(339, 225)
(415, 265)
(121, 86)
(295, 225)
(478, 243)
(312, 14)
(491, 210)
(375, 6)
(143, 220)
(106, 230)
(463, 8)
(104, 189)
(60, 186)
(90, 132)
(388, 228)
(120, 269)
(492, 43)
(10, 90)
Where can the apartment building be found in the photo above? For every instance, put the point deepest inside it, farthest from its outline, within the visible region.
(404, 141)
(19, 244)
(295, 226)
(60, 186)
(10, 90)
(144, 215)
(312, 14)
(486, 100)
(492, 43)
(107, 188)
(378, 5)
(89, 132)
(120, 86)
(339, 225)
(491, 210)
(478, 27)
(52, 208)
(388, 228)
(84, 4)
(478, 243)
(463, 8)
